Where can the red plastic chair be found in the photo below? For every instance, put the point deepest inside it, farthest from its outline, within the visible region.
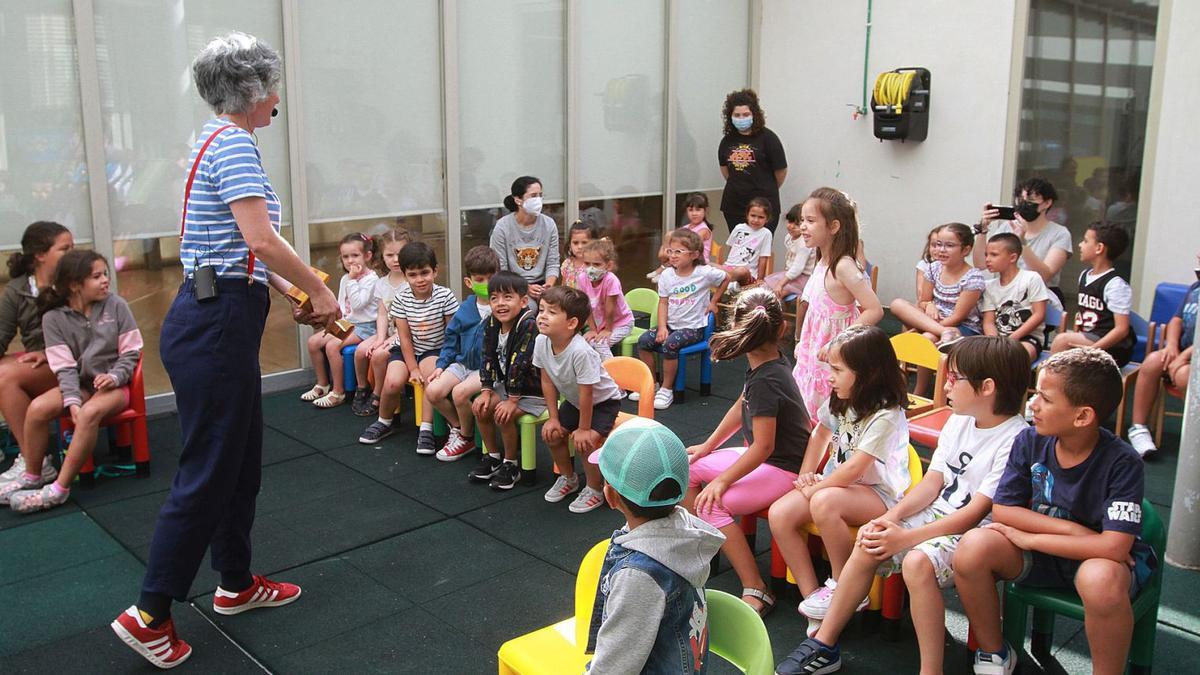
(926, 427)
(130, 426)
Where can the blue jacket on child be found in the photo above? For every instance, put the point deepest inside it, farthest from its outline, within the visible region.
(650, 614)
(464, 337)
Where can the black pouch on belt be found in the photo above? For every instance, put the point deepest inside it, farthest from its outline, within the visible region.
(206, 283)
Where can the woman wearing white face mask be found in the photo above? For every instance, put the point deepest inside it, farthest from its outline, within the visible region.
(751, 158)
(526, 239)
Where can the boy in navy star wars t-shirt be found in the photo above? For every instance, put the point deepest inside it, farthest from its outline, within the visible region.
(1067, 514)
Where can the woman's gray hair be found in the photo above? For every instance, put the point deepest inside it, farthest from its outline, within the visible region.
(235, 71)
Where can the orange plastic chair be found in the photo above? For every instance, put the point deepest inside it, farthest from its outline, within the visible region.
(131, 429)
(912, 349)
(631, 374)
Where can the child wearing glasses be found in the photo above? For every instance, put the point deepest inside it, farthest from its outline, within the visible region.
(948, 302)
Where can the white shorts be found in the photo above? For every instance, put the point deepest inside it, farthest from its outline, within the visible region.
(533, 405)
(939, 550)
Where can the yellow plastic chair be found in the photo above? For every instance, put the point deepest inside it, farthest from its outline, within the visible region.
(714, 254)
(736, 633)
(886, 594)
(912, 349)
(559, 648)
(640, 300)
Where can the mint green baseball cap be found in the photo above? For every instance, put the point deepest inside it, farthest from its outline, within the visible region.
(640, 454)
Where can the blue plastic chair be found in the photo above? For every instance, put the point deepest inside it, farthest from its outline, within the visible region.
(1141, 334)
(700, 348)
(348, 368)
(1167, 297)
(1054, 320)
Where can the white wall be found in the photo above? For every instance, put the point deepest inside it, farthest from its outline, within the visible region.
(1168, 232)
(811, 74)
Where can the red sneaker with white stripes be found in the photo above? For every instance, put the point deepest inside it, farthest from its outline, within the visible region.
(159, 645)
(262, 593)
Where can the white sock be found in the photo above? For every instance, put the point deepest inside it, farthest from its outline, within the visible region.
(385, 422)
(427, 426)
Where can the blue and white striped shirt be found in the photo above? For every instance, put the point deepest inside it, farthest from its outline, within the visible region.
(231, 169)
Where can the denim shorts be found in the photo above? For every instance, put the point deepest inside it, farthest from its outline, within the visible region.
(365, 329)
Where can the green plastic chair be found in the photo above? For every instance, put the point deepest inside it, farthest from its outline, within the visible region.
(528, 426)
(1047, 603)
(640, 300)
(736, 633)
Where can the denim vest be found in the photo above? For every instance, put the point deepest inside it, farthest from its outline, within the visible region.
(681, 645)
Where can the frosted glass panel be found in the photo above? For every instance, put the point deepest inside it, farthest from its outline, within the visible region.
(42, 173)
(372, 107)
(622, 65)
(713, 54)
(151, 111)
(511, 92)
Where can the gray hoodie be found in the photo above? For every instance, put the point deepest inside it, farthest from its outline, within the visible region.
(681, 542)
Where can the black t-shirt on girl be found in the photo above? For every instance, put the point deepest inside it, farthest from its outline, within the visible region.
(770, 391)
(752, 162)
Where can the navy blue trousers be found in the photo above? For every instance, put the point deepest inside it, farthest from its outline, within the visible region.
(210, 351)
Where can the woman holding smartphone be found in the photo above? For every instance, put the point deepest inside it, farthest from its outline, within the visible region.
(1047, 243)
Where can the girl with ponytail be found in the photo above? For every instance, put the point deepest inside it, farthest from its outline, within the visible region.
(24, 377)
(739, 481)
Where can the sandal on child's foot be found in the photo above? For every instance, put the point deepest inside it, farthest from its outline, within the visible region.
(331, 400)
(315, 393)
(766, 601)
(371, 409)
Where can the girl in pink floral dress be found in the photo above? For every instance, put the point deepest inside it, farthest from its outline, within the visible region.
(838, 295)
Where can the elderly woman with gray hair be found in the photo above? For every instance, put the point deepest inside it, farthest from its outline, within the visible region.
(231, 250)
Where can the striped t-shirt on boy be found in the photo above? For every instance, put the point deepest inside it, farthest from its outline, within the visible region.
(426, 318)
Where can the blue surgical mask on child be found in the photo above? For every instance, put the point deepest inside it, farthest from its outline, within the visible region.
(595, 273)
(742, 123)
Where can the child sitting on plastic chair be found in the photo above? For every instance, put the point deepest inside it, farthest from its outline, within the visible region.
(918, 536)
(455, 381)
(1067, 515)
(650, 612)
(511, 385)
(93, 346)
(421, 313)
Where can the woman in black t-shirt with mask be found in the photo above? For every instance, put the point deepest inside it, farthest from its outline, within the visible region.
(751, 158)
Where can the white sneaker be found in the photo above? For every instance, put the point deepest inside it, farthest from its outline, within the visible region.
(653, 276)
(991, 664)
(562, 487)
(588, 500)
(663, 398)
(9, 488)
(1142, 440)
(817, 604)
(634, 396)
(17, 470)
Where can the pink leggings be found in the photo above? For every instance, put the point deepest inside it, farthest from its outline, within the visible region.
(752, 493)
